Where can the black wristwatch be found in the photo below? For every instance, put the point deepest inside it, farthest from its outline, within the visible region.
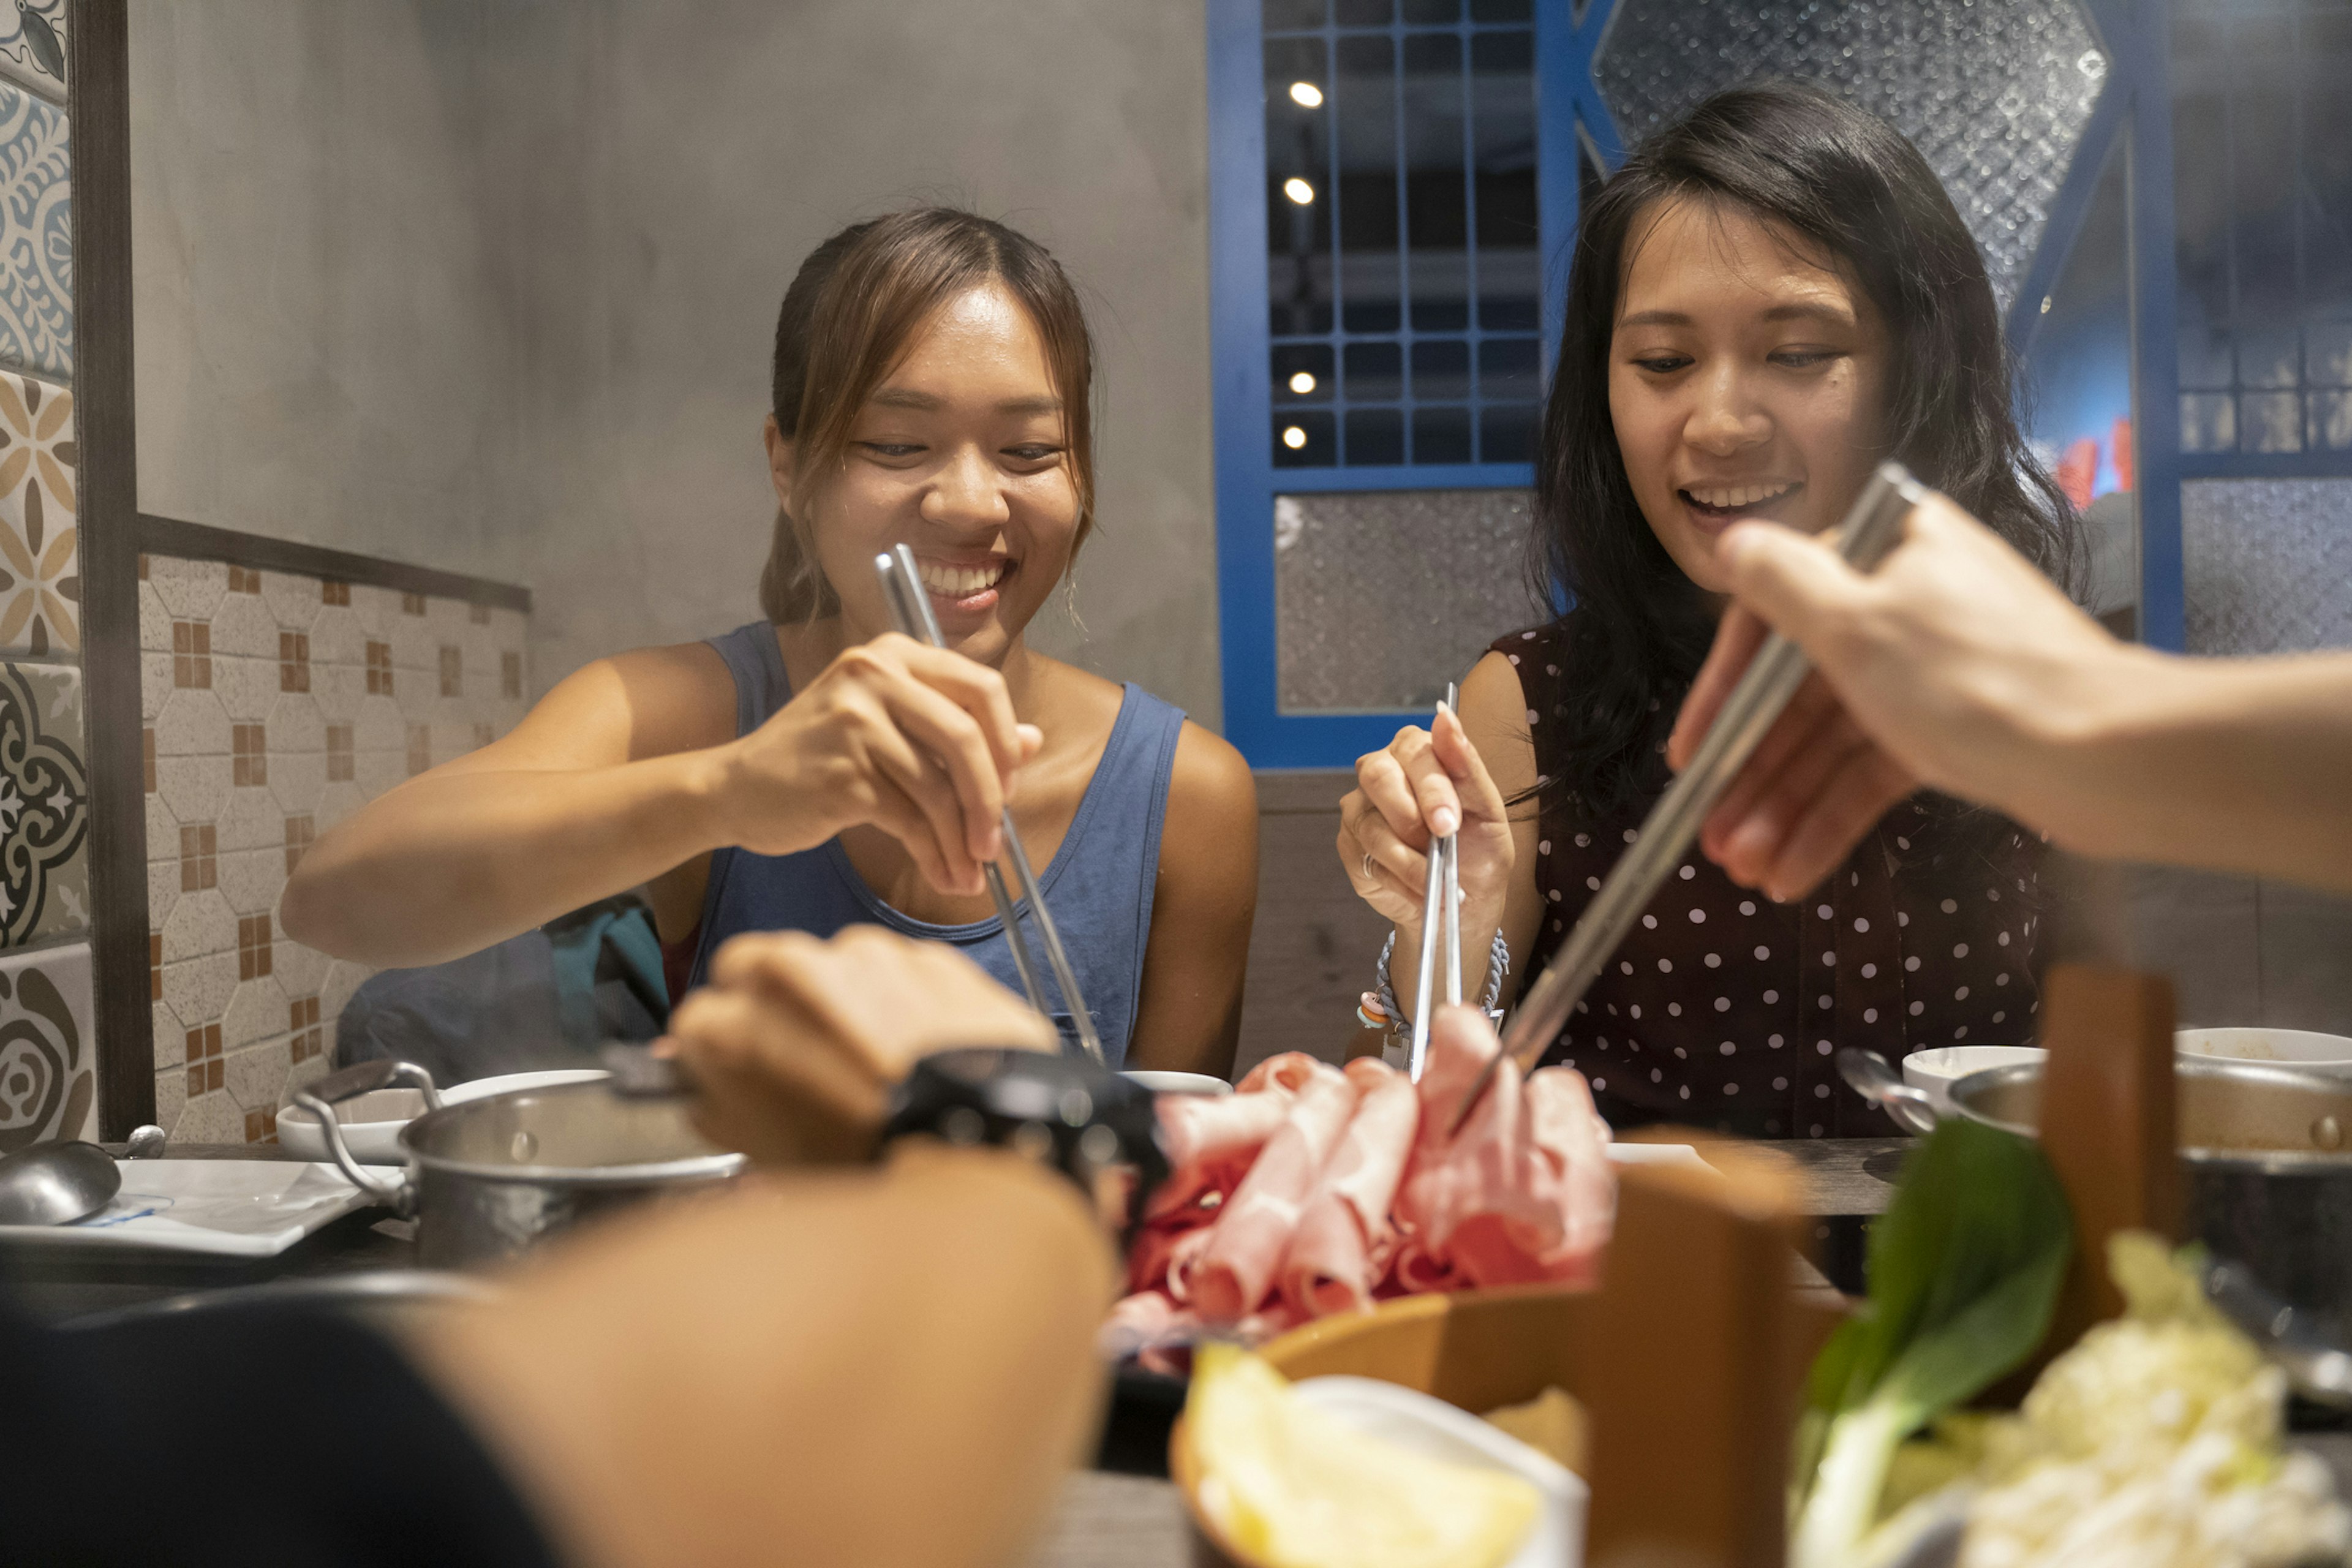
(1083, 1119)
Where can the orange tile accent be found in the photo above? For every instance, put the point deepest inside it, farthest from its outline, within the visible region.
(253, 947)
(213, 1073)
(379, 669)
(333, 593)
(420, 748)
(242, 580)
(339, 753)
(293, 662)
(191, 647)
(478, 614)
(484, 735)
(249, 754)
(199, 868)
(142, 566)
(411, 604)
(300, 834)
(511, 676)
(453, 671)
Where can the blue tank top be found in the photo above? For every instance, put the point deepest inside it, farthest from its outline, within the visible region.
(1099, 884)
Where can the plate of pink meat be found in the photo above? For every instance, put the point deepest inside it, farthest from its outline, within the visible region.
(1315, 1189)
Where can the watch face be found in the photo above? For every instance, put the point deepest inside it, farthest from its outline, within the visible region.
(1082, 1119)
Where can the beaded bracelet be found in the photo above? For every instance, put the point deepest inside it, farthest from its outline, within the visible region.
(1379, 1008)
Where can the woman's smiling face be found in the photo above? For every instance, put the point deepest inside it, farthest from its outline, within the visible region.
(1747, 379)
(960, 452)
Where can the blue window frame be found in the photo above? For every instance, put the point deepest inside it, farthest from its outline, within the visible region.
(1392, 187)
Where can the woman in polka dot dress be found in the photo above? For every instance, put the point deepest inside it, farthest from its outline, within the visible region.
(1766, 300)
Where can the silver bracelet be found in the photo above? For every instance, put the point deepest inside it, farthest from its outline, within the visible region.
(1384, 1000)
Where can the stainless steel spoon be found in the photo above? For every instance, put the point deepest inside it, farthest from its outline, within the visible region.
(1869, 1075)
(2315, 1366)
(57, 1183)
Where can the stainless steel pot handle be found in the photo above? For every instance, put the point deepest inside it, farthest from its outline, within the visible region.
(320, 1096)
(1869, 1076)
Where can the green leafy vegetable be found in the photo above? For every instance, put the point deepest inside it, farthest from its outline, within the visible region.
(1965, 1268)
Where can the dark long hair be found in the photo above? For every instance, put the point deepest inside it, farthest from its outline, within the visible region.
(1851, 187)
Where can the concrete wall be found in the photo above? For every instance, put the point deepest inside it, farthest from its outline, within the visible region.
(492, 287)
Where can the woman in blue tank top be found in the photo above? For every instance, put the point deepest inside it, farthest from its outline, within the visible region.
(813, 769)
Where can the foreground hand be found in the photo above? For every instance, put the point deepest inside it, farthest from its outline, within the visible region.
(1944, 667)
(920, 741)
(1425, 783)
(797, 1042)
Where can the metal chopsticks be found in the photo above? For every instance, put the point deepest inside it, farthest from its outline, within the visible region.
(1871, 528)
(1440, 901)
(910, 613)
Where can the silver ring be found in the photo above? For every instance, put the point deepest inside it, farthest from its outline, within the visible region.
(1368, 866)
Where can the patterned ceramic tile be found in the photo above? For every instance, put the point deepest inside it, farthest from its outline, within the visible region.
(44, 805)
(36, 236)
(48, 1066)
(40, 556)
(251, 765)
(33, 46)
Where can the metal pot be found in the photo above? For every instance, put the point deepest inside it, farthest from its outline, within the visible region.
(2266, 1169)
(489, 1179)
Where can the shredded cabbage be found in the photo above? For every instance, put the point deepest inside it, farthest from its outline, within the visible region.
(2155, 1443)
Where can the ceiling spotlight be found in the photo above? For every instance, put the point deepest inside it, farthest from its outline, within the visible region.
(1303, 382)
(1306, 95)
(1298, 191)
(1294, 437)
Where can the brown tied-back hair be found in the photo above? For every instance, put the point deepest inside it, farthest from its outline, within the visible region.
(849, 317)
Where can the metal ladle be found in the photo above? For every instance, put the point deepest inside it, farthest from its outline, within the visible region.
(57, 1183)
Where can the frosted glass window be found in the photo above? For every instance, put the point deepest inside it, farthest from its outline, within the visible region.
(1995, 93)
(2266, 561)
(1382, 597)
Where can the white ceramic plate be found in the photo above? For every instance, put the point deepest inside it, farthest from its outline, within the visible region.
(2289, 1047)
(226, 1208)
(1937, 1069)
(1425, 1425)
(372, 1122)
(1179, 1082)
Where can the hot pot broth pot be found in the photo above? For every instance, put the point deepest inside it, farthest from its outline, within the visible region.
(2266, 1168)
(490, 1178)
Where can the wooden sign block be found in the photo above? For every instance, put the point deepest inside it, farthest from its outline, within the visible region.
(2108, 1122)
(1694, 1392)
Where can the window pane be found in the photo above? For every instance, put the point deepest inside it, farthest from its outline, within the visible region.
(1285, 15)
(1441, 370)
(1507, 433)
(1365, 108)
(1304, 438)
(1302, 373)
(1298, 193)
(1436, 213)
(1375, 437)
(1375, 372)
(1441, 435)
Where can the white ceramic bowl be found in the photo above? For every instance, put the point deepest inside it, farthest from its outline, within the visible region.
(2329, 1054)
(1179, 1082)
(372, 1122)
(1937, 1069)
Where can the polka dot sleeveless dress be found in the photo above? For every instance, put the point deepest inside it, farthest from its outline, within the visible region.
(1723, 1009)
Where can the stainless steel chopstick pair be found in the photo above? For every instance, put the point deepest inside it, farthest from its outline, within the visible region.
(1440, 904)
(1871, 528)
(910, 611)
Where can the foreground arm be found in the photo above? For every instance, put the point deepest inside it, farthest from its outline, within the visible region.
(1958, 666)
(865, 1367)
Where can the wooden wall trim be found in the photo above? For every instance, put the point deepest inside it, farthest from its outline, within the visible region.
(99, 111)
(202, 542)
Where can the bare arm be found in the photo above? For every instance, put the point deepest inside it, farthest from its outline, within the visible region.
(863, 1367)
(631, 767)
(1958, 666)
(1189, 1015)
